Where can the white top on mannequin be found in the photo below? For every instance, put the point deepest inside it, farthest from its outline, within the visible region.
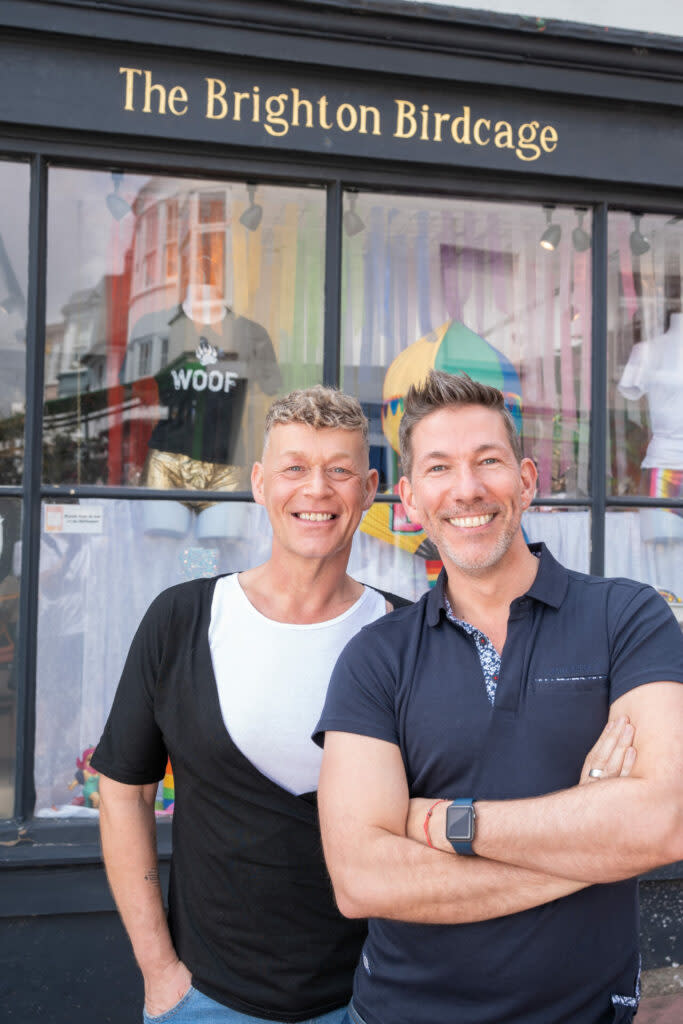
(655, 369)
(272, 679)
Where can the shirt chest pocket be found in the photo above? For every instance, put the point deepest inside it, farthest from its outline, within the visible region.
(570, 681)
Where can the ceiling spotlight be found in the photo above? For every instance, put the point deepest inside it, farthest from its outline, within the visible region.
(550, 239)
(581, 240)
(353, 223)
(637, 240)
(251, 218)
(116, 204)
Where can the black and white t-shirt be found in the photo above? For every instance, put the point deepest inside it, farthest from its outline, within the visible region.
(251, 909)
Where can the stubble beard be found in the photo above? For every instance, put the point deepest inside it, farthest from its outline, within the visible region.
(475, 564)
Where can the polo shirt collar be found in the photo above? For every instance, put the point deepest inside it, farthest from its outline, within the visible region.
(549, 587)
(552, 579)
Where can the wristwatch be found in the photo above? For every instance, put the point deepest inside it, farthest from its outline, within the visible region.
(460, 817)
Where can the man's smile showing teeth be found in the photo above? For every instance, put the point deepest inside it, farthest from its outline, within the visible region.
(315, 517)
(470, 521)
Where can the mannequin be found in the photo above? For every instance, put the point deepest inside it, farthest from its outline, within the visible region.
(655, 370)
(215, 358)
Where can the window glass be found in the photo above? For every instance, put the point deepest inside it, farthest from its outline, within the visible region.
(14, 197)
(647, 544)
(566, 532)
(499, 290)
(101, 564)
(117, 555)
(177, 310)
(10, 575)
(645, 352)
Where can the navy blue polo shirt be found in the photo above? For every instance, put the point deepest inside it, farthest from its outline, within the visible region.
(575, 643)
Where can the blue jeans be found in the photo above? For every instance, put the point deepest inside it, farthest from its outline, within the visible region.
(352, 1016)
(196, 1008)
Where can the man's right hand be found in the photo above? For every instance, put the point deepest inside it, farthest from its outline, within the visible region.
(166, 988)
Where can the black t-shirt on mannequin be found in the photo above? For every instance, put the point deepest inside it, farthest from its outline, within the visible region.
(205, 388)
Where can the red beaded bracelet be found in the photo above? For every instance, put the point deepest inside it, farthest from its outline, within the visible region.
(428, 816)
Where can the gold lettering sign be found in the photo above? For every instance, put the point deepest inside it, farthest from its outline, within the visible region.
(278, 112)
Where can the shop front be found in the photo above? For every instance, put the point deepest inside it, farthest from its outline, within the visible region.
(199, 212)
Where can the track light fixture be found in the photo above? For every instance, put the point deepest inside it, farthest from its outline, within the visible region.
(353, 223)
(637, 240)
(251, 218)
(116, 204)
(581, 240)
(550, 239)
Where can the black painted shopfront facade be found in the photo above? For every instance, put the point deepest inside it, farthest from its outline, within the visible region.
(378, 188)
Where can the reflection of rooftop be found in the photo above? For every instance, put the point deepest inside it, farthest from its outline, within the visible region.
(83, 299)
(149, 324)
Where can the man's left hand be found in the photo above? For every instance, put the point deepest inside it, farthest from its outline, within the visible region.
(613, 756)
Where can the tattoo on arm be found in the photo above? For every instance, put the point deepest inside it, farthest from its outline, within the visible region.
(152, 876)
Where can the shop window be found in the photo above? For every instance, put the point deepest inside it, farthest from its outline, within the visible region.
(97, 554)
(645, 386)
(469, 286)
(161, 375)
(645, 352)
(101, 564)
(14, 195)
(499, 290)
(10, 575)
(647, 544)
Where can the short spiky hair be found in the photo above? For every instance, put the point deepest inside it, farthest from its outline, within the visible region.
(442, 390)
(318, 407)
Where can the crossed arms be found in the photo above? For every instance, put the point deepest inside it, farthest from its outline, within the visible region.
(528, 851)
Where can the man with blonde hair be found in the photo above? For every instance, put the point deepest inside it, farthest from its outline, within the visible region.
(228, 677)
(481, 702)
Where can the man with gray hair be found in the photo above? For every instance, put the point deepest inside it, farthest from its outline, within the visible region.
(227, 676)
(503, 892)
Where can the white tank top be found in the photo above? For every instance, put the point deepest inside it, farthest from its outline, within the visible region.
(272, 679)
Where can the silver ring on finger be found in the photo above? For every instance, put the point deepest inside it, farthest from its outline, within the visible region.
(597, 773)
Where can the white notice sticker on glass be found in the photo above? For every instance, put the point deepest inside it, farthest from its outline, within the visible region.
(73, 518)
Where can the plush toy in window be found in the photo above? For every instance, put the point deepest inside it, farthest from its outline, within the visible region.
(166, 795)
(88, 778)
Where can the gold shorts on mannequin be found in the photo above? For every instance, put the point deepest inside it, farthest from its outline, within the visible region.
(171, 470)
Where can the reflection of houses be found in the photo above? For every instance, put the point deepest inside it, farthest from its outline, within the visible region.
(64, 367)
(180, 253)
(54, 340)
(78, 349)
(83, 397)
(13, 376)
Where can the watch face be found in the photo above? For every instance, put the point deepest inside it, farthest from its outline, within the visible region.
(459, 823)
